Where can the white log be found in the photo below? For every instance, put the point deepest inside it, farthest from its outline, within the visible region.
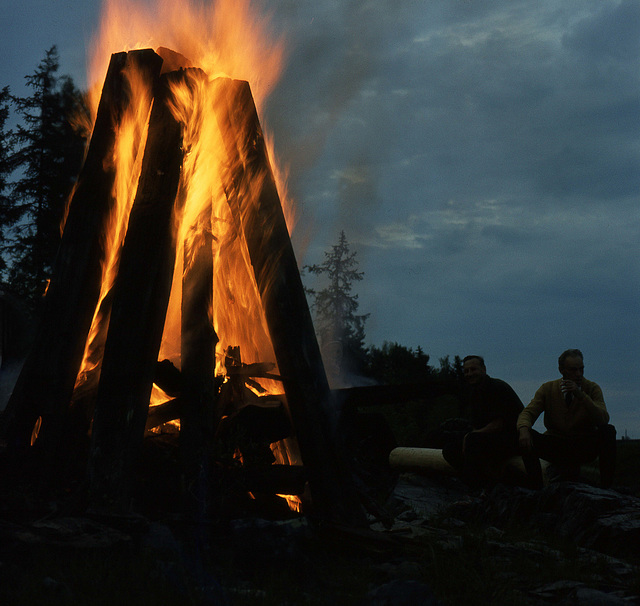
(416, 459)
(422, 459)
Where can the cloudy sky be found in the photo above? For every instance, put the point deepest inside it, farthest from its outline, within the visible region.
(483, 159)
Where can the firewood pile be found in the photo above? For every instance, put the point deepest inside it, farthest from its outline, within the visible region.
(113, 415)
(94, 430)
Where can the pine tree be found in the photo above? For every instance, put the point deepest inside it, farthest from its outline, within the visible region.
(395, 364)
(451, 370)
(6, 167)
(47, 160)
(336, 306)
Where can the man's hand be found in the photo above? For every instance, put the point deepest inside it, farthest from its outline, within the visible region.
(492, 427)
(524, 439)
(568, 386)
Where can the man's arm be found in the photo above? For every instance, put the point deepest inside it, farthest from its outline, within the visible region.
(492, 427)
(528, 417)
(591, 399)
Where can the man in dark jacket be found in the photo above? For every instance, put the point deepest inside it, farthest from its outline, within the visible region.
(493, 410)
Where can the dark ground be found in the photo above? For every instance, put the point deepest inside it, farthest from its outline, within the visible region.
(52, 552)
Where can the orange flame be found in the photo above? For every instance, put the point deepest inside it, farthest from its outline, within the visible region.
(127, 161)
(224, 38)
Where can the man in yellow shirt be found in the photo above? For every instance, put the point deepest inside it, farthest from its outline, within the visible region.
(577, 423)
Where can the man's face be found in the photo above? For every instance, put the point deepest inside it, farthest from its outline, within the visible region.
(573, 369)
(474, 371)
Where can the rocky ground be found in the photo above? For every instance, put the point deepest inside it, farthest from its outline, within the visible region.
(570, 543)
(593, 534)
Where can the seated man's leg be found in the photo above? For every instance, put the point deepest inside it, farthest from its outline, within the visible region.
(534, 470)
(569, 453)
(452, 452)
(607, 454)
(485, 452)
(563, 453)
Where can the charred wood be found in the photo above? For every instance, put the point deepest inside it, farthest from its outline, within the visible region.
(168, 378)
(140, 303)
(269, 479)
(263, 225)
(164, 413)
(253, 428)
(198, 345)
(46, 382)
(256, 370)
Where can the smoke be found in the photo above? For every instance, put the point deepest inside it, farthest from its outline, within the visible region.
(327, 115)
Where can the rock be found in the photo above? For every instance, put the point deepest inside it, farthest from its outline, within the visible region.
(604, 520)
(57, 591)
(402, 593)
(66, 533)
(572, 592)
(258, 541)
(587, 596)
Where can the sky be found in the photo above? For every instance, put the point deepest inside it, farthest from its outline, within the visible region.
(482, 158)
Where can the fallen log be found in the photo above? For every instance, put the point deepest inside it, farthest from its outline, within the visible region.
(431, 459)
(419, 459)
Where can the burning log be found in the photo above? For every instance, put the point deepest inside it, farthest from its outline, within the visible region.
(141, 296)
(270, 479)
(263, 225)
(252, 429)
(137, 308)
(168, 378)
(198, 346)
(164, 413)
(46, 382)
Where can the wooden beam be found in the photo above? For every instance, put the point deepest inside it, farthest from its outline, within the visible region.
(46, 383)
(141, 296)
(262, 223)
(198, 364)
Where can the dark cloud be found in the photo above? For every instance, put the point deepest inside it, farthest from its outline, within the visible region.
(609, 35)
(482, 158)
